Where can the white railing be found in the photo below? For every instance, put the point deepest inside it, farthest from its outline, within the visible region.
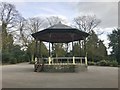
(65, 60)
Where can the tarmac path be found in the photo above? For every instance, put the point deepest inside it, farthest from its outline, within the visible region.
(23, 76)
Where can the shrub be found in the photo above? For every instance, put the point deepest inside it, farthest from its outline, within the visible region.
(13, 60)
(91, 63)
(5, 57)
(103, 63)
(32, 62)
(114, 63)
(8, 58)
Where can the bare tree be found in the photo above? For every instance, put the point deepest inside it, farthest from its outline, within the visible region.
(9, 15)
(58, 48)
(86, 22)
(26, 28)
(23, 35)
(29, 26)
(35, 24)
(52, 20)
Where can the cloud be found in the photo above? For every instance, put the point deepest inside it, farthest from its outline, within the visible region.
(104, 37)
(106, 42)
(12, 0)
(59, 0)
(106, 11)
(64, 18)
(47, 10)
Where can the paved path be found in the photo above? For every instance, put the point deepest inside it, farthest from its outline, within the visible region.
(22, 76)
(0, 76)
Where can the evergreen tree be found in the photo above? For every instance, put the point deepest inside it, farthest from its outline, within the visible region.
(78, 50)
(9, 17)
(31, 50)
(96, 50)
(58, 50)
(102, 50)
(114, 38)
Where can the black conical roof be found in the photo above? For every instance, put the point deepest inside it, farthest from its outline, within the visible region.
(60, 26)
(60, 33)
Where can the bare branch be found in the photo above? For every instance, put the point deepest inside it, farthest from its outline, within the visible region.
(86, 23)
(54, 20)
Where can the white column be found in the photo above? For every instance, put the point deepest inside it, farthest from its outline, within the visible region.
(85, 60)
(35, 60)
(73, 60)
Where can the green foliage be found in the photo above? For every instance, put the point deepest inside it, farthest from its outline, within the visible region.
(7, 45)
(13, 60)
(10, 17)
(44, 50)
(31, 50)
(7, 41)
(58, 49)
(113, 63)
(114, 38)
(5, 57)
(76, 49)
(103, 63)
(32, 62)
(8, 58)
(15, 55)
(95, 48)
(91, 63)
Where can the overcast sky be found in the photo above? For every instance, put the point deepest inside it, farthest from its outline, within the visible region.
(107, 12)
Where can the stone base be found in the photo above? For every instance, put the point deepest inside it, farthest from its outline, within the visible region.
(64, 68)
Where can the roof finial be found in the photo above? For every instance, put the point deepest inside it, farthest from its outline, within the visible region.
(60, 22)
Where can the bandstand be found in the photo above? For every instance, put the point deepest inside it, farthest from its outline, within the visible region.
(59, 33)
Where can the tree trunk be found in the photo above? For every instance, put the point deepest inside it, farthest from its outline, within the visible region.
(32, 57)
